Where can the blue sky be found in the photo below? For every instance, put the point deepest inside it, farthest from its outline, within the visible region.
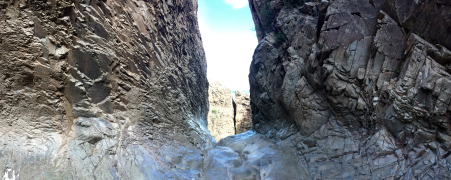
(229, 42)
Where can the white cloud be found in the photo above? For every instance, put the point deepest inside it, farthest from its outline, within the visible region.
(228, 53)
(237, 4)
(229, 56)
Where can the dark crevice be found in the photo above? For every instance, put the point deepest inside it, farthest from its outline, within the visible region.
(439, 5)
(446, 155)
(379, 23)
(321, 21)
(335, 28)
(381, 16)
(387, 8)
(406, 34)
(234, 115)
(28, 80)
(356, 14)
(68, 11)
(325, 54)
(372, 3)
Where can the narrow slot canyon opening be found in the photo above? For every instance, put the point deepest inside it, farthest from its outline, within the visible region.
(230, 111)
(229, 40)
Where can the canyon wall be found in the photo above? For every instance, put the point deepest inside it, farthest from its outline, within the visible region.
(243, 115)
(221, 114)
(96, 89)
(229, 114)
(345, 89)
(348, 89)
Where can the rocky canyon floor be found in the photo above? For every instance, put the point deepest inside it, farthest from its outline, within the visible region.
(118, 89)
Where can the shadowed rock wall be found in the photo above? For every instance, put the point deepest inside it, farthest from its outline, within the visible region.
(350, 89)
(96, 89)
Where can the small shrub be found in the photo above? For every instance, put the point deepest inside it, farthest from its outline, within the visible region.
(280, 37)
(267, 18)
(265, 11)
(215, 111)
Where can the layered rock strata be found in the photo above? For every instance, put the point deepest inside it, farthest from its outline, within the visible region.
(221, 114)
(345, 89)
(243, 115)
(93, 89)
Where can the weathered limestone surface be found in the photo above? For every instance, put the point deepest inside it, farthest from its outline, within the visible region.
(243, 115)
(96, 89)
(220, 116)
(345, 89)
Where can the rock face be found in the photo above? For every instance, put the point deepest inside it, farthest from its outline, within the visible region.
(228, 116)
(220, 116)
(345, 89)
(342, 89)
(243, 115)
(93, 89)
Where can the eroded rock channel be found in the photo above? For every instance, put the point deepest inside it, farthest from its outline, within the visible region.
(115, 89)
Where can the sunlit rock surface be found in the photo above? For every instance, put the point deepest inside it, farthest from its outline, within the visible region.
(243, 115)
(94, 89)
(228, 115)
(220, 116)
